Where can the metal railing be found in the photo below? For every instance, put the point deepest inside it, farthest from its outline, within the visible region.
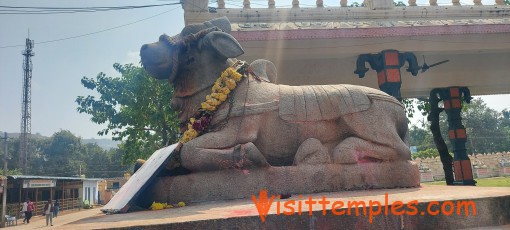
(271, 4)
(14, 209)
(197, 11)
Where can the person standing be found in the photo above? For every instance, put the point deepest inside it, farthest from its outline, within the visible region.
(30, 209)
(24, 209)
(55, 208)
(48, 212)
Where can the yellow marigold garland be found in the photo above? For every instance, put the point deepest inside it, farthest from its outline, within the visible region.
(219, 93)
(160, 206)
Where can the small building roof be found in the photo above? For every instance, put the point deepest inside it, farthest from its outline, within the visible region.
(97, 179)
(50, 177)
(115, 178)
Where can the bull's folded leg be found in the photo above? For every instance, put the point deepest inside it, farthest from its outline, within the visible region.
(312, 151)
(355, 150)
(242, 156)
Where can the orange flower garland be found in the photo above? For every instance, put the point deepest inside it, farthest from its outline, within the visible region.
(219, 93)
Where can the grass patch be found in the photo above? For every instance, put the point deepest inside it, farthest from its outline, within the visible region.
(484, 182)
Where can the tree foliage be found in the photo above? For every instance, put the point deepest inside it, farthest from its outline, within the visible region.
(103, 163)
(136, 109)
(421, 138)
(427, 153)
(356, 4)
(60, 155)
(422, 104)
(63, 154)
(399, 3)
(34, 153)
(487, 129)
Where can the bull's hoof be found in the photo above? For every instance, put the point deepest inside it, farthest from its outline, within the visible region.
(242, 156)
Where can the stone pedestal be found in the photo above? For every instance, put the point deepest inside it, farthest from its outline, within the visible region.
(492, 206)
(303, 179)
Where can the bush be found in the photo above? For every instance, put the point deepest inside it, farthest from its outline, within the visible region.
(427, 153)
(86, 205)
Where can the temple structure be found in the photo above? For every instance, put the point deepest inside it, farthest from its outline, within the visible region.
(320, 45)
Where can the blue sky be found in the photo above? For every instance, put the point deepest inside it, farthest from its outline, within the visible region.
(59, 66)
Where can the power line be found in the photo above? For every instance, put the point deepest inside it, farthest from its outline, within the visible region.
(74, 8)
(66, 10)
(92, 33)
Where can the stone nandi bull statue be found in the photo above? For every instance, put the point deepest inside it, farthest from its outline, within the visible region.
(263, 124)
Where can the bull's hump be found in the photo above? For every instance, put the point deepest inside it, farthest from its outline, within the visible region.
(321, 102)
(251, 97)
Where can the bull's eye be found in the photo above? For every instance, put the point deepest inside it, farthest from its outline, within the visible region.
(190, 60)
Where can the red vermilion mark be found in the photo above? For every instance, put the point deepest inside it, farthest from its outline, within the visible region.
(242, 212)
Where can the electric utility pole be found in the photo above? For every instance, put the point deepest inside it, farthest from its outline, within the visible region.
(4, 182)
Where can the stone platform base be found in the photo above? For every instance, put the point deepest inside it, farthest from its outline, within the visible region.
(304, 179)
(492, 210)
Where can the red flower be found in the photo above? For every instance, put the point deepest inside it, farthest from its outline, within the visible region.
(202, 123)
(198, 126)
(205, 121)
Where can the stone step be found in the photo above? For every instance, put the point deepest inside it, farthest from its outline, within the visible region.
(492, 212)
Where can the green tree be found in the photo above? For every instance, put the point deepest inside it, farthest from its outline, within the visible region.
(103, 163)
(421, 138)
(136, 109)
(34, 153)
(505, 114)
(427, 153)
(484, 128)
(421, 104)
(62, 156)
(355, 4)
(504, 121)
(487, 130)
(12, 152)
(15, 171)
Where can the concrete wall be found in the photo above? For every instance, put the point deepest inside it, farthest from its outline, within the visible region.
(90, 191)
(490, 160)
(106, 190)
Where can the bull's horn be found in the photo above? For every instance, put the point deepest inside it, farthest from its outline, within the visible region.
(222, 23)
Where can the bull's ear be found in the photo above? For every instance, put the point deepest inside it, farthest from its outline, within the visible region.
(223, 43)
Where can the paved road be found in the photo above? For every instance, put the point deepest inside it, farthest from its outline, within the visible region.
(38, 222)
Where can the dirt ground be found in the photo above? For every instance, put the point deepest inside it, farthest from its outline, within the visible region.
(66, 217)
